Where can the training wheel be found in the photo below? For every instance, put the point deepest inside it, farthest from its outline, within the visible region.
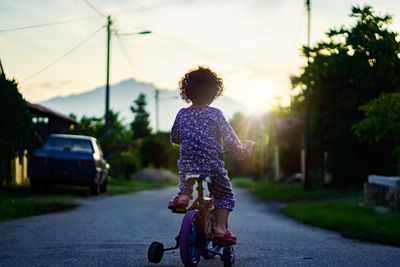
(228, 256)
(156, 252)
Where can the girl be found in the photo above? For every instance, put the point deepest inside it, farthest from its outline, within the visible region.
(200, 131)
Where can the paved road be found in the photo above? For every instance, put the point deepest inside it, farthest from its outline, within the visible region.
(116, 231)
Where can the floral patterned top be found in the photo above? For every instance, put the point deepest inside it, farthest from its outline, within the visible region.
(201, 132)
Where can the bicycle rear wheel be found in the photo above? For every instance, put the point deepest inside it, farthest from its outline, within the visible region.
(188, 240)
(210, 250)
(228, 256)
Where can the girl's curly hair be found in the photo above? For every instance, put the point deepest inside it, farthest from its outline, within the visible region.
(200, 86)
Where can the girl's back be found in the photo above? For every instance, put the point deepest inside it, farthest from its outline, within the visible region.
(197, 131)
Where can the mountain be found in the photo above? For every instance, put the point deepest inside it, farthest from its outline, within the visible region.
(122, 95)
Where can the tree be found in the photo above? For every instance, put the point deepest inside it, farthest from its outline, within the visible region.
(353, 66)
(17, 133)
(116, 143)
(140, 124)
(91, 126)
(381, 123)
(158, 151)
(115, 135)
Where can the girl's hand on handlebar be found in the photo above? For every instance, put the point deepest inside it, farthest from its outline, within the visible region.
(249, 144)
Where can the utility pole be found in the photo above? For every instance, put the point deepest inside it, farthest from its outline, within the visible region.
(107, 113)
(307, 145)
(308, 4)
(157, 102)
(2, 70)
(109, 34)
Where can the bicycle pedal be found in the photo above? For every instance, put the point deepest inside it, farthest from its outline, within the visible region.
(179, 210)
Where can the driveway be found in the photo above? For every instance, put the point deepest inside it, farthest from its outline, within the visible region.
(116, 231)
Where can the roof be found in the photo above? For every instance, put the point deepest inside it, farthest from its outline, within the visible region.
(43, 111)
(73, 136)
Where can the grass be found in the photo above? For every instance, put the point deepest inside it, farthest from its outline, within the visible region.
(267, 189)
(349, 218)
(19, 201)
(331, 209)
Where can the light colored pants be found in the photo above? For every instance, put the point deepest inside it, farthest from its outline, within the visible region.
(220, 190)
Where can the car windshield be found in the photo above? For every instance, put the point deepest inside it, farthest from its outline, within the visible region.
(68, 144)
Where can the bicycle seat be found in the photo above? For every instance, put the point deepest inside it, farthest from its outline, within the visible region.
(196, 176)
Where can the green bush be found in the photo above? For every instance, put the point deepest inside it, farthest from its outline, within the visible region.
(125, 163)
(158, 151)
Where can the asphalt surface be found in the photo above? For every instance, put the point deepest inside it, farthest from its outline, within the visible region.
(116, 231)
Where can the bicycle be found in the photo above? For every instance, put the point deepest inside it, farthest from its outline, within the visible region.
(195, 236)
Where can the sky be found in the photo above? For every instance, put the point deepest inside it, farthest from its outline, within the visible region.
(254, 45)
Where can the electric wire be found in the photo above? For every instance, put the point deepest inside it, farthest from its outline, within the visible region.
(47, 24)
(63, 56)
(95, 8)
(297, 34)
(213, 53)
(149, 7)
(116, 13)
(127, 57)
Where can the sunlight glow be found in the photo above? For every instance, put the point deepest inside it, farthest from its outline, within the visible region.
(259, 96)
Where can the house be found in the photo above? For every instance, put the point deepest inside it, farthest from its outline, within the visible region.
(46, 122)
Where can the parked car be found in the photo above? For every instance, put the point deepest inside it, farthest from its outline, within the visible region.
(69, 160)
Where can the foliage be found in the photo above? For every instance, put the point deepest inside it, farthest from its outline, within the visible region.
(350, 219)
(126, 162)
(279, 127)
(125, 153)
(382, 119)
(381, 122)
(351, 67)
(19, 201)
(287, 130)
(158, 151)
(140, 124)
(253, 128)
(115, 139)
(116, 143)
(17, 133)
(91, 126)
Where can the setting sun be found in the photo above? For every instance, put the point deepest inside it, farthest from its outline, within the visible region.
(259, 95)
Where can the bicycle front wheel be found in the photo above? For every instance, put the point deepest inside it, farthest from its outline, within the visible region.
(210, 249)
(188, 239)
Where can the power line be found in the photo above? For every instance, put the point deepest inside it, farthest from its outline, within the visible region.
(63, 56)
(47, 24)
(117, 13)
(126, 55)
(213, 53)
(94, 8)
(149, 7)
(297, 34)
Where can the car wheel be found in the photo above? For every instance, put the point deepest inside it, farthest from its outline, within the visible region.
(95, 189)
(103, 187)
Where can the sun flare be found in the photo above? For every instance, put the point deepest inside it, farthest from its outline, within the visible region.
(259, 96)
